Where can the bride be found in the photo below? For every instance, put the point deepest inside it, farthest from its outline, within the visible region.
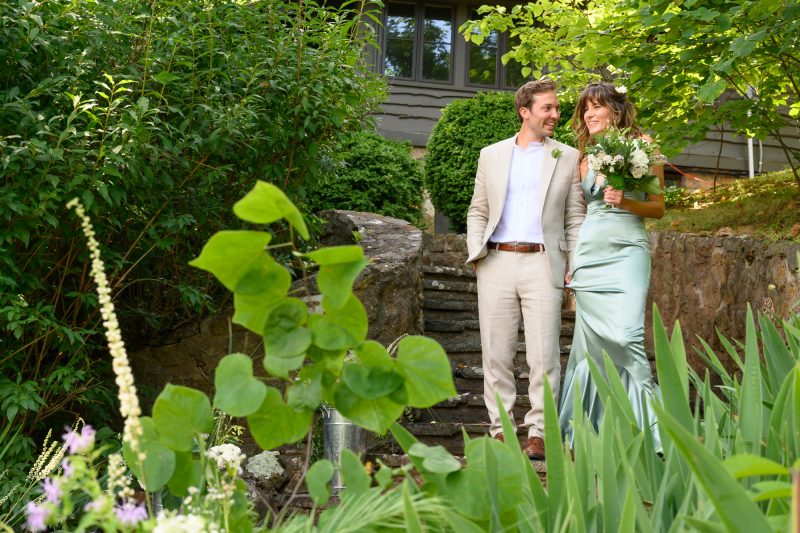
(611, 276)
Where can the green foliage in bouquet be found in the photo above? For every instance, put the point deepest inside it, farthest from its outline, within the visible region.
(464, 128)
(625, 161)
(372, 174)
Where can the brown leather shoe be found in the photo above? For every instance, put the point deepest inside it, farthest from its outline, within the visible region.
(499, 437)
(534, 448)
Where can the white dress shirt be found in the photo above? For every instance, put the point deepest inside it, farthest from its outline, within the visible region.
(521, 220)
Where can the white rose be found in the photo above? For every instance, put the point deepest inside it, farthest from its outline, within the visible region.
(639, 158)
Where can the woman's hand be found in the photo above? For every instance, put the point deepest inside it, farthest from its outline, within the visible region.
(612, 196)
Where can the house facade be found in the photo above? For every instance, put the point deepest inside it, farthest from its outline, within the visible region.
(428, 64)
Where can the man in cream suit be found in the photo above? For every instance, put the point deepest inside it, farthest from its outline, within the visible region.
(522, 226)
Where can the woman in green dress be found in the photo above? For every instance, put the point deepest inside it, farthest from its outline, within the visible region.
(611, 273)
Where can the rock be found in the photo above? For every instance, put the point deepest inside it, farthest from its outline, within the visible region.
(795, 231)
(266, 470)
(724, 232)
(390, 288)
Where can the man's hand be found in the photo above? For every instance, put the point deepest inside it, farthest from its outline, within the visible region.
(567, 278)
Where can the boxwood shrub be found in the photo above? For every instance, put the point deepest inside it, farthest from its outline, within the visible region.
(465, 127)
(372, 174)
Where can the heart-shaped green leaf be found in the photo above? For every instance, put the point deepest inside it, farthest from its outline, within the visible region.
(352, 317)
(339, 266)
(317, 479)
(252, 309)
(275, 423)
(180, 413)
(306, 392)
(371, 383)
(159, 463)
(238, 393)
(265, 204)
(284, 332)
(249, 249)
(424, 364)
(436, 459)
(375, 415)
(188, 473)
(328, 335)
(373, 354)
(281, 366)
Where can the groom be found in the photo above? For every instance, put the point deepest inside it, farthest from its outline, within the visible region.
(522, 224)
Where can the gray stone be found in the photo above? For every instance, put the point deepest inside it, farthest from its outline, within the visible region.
(266, 471)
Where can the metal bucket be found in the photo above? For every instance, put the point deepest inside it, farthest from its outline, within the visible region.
(339, 433)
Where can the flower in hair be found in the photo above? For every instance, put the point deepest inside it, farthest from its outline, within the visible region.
(621, 89)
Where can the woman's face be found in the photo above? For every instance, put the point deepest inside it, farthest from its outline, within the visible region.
(597, 117)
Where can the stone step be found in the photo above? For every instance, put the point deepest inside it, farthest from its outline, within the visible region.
(446, 325)
(433, 285)
(438, 270)
(467, 344)
(450, 304)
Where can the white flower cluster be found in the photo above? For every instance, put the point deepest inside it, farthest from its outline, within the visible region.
(117, 478)
(227, 455)
(48, 459)
(128, 401)
(603, 162)
(167, 522)
(640, 162)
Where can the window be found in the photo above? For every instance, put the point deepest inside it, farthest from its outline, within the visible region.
(419, 42)
(485, 67)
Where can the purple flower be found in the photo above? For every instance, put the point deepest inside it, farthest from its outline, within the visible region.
(52, 491)
(94, 505)
(67, 469)
(79, 442)
(130, 514)
(37, 517)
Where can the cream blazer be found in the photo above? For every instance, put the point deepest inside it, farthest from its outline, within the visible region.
(562, 207)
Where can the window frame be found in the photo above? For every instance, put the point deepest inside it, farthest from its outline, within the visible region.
(501, 70)
(419, 34)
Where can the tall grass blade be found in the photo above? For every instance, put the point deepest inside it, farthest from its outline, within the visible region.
(751, 405)
(730, 349)
(554, 457)
(410, 516)
(679, 356)
(782, 421)
(735, 508)
(674, 392)
(779, 361)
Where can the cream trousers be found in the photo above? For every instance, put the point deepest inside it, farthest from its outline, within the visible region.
(510, 285)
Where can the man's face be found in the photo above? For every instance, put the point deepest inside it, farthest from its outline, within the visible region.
(542, 117)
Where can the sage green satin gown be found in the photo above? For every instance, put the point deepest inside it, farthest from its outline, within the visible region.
(611, 279)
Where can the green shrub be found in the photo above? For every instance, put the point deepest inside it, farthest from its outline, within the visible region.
(675, 196)
(158, 116)
(372, 174)
(465, 127)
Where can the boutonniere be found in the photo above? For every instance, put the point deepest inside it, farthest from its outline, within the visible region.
(556, 153)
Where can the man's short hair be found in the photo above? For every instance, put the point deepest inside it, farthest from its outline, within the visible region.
(526, 94)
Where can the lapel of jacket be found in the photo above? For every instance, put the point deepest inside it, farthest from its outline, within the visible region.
(503, 169)
(548, 167)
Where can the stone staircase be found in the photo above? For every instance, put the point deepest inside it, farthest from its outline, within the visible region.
(450, 313)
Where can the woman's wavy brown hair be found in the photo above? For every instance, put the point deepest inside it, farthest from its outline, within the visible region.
(623, 114)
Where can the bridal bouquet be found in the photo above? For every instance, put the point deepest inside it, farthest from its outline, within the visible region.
(625, 162)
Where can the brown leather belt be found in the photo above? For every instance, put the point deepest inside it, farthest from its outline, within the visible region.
(523, 247)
